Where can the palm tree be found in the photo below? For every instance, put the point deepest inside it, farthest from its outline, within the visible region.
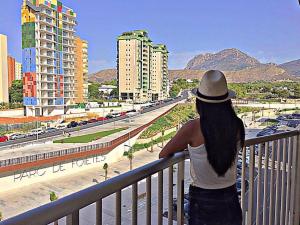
(53, 197)
(130, 157)
(162, 138)
(105, 167)
(151, 149)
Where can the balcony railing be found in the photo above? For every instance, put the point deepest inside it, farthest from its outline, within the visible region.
(270, 164)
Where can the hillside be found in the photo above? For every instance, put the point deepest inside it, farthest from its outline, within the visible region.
(237, 66)
(103, 75)
(292, 67)
(263, 72)
(225, 60)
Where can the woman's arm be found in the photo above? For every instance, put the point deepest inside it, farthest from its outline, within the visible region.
(178, 143)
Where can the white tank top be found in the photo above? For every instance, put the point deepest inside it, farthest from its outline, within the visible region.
(202, 173)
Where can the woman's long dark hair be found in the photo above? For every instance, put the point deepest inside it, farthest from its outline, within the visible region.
(222, 130)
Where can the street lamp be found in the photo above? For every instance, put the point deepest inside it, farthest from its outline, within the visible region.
(36, 124)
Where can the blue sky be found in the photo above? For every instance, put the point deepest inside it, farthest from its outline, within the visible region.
(266, 29)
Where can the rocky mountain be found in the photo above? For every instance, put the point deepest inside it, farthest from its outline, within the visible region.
(225, 60)
(292, 67)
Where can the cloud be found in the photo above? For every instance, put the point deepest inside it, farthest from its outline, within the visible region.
(100, 64)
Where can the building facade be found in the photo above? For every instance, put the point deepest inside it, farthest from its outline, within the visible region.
(81, 70)
(160, 74)
(3, 70)
(18, 69)
(48, 62)
(135, 67)
(11, 66)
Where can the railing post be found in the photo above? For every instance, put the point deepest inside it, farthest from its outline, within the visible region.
(73, 219)
(180, 193)
(297, 183)
(99, 212)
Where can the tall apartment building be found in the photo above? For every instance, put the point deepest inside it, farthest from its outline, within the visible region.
(81, 70)
(48, 29)
(18, 69)
(137, 79)
(11, 66)
(3, 69)
(160, 74)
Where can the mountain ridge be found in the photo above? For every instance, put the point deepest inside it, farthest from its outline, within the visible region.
(237, 66)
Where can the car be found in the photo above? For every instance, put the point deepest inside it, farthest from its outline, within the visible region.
(81, 123)
(3, 138)
(296, 115)
(37, 131)
(109, 116)
(123, 114)
(281, 117)
(101, 118)
(61, 126)
(72, 124)
(113, 115)
(132, 113)
(92, 121)
(17, 136)
(50, 129)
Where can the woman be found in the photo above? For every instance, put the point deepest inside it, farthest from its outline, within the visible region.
(213, 142)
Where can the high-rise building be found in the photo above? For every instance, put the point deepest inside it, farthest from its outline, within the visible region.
(81, 70)
(3, 69)
(160, 74)
(18, 68)
(11, 64)
(48, 29)
(135, 67)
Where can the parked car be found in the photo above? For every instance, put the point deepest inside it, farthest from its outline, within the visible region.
(17, 136)
(50, 130)
(92, 121)
(101, 118)
(61, 126)
(37, 131)
(109, 116)
(123, 114)
(72, 124)
(3, 138)
(114, 115)
(81, 123)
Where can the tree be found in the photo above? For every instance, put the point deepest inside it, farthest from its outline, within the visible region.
(53, 197)
(1, 216)
(105, 167)
(130, 157)
(93, 91)
(16, 91)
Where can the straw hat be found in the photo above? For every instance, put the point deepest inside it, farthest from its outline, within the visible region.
(213, 88)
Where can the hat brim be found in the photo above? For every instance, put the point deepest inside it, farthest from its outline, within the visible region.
(231, 94)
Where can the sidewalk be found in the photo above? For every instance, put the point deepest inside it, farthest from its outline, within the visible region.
(17, 201)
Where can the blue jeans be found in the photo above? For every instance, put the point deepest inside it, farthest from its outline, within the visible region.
(214, 207)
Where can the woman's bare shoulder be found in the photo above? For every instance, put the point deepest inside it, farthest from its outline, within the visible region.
(191, 126)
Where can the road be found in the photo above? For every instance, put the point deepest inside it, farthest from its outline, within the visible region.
(49, 136)
(133, 123)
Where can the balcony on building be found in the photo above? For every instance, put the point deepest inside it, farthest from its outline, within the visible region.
(270, 189)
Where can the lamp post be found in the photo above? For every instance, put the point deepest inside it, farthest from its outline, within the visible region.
(36, 124)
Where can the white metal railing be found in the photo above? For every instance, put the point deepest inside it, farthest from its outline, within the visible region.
(271, 165)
